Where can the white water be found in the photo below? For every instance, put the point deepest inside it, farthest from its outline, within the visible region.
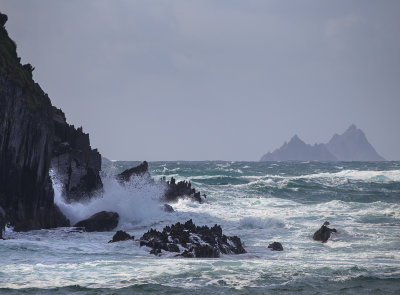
(135, 201)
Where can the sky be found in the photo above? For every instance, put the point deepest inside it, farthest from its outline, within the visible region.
(215, 80)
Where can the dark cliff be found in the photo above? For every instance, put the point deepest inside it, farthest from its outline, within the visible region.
(33, 136)
(75, 163)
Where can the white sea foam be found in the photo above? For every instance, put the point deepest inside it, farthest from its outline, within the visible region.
(134, 201)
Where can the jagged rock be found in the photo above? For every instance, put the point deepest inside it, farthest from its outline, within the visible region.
(276, 246)
(197, 241)
(121, 236)
(324, 233)
(101, 221)
(26, 143)
(136, 171)
(34, 136)
(182, 189)
(168, 208)
(76, 164)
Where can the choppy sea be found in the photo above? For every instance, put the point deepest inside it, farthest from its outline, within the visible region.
(259, 202)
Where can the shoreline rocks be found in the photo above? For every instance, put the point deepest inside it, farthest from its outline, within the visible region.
(324, 233)
(120, 236)
(101, 221)
(188, 240)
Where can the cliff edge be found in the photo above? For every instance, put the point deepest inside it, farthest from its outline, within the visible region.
(35, 136)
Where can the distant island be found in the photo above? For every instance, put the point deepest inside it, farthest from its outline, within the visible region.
(352, 145)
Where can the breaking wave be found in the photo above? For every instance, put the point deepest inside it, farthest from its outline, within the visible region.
(134, 201)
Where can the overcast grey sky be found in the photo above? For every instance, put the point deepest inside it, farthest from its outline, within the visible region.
(215, 80)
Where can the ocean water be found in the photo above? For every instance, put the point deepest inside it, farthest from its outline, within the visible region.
(259, 202)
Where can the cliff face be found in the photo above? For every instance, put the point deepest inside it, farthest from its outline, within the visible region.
(73, 160)
(30, 137)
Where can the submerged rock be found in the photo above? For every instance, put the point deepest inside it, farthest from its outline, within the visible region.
(101, 221)
(195, 241)
(324, 233)
(121, 236)
(276, 246)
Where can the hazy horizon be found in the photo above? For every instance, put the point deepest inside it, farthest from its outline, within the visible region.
(215, 80)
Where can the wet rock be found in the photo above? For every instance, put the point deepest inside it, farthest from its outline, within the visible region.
(168, 208)
(75, 163)
(276, 246)
(101, 221)
(195, 241)
(324, 233)
(121, 236)
(140, 170)
(178, 190)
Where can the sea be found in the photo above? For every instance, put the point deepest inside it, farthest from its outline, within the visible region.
(260, 202)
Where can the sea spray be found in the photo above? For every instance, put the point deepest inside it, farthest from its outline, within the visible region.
(134, 201)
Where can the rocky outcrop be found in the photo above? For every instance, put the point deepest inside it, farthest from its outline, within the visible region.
(75, 163)
(121, 236)
(101, 221)
(324, 233)
(168, 208)
(173, 190)
(135, 171)
(182, 189)
(26, 143)
(275, 246)
(34, 136)
(189, 240)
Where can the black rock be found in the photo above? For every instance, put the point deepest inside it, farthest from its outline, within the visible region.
(101, 221)
(276, 246)
(135, 171)
(182, 189)
(168, 208)
(2, 222)
(197, 241)
(324, 233)
(121, 236)
(34, 137)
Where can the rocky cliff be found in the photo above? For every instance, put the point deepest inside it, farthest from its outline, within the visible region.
(34, 136)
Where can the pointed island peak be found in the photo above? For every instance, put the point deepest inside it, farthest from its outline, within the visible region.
(352, 145)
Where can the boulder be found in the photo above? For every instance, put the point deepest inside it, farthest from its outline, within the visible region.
(121, 236)
(195, 241)
(276, 246)
(324, 233)
(101, 221)
(168, 208)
